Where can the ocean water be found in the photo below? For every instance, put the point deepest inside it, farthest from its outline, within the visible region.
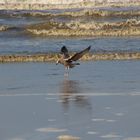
(17, 41)
(98, 100)
(11, 43)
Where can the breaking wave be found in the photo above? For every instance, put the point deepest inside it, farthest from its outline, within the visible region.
(76, 28)
(3, 27)
(92, 12)
(54, 57)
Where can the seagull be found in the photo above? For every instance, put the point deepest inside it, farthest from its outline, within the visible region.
(67, 60)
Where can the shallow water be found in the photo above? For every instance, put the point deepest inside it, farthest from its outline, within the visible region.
(100, 102)
(98, 77)
(11, 43)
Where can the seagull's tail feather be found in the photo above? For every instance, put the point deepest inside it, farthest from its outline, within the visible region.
(76, 63)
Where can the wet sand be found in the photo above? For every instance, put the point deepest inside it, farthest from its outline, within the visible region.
(38, 102)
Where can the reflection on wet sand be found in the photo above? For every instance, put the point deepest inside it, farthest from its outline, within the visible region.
(70, 97)
(70, 86)
(69, 90)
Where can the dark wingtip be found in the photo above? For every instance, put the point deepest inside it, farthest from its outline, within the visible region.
(64, 49)
(89, 48)
(63, 46)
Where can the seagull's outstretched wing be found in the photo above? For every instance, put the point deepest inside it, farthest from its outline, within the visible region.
(77, 56)
(64, 52)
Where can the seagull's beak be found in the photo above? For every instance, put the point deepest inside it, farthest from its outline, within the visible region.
(57, 62)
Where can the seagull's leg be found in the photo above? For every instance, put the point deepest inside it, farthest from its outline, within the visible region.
(65, 74)
(66, 71)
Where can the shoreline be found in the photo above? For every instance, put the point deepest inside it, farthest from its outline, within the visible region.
(53, 57)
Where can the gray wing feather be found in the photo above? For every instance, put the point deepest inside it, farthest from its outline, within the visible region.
(79, 55)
